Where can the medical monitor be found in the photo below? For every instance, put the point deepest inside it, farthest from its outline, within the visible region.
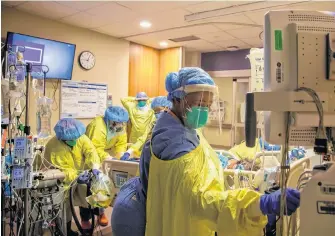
(58, 56)
(296, 48)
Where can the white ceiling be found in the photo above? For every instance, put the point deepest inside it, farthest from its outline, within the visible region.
(239, 25)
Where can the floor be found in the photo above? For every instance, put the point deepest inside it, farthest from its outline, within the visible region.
(105, 231)
(100, 231)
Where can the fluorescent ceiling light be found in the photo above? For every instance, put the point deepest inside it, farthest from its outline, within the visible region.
(163, 44)
(145, 24)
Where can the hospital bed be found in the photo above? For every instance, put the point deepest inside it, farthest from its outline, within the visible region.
(119, 172)
(244, 178)
(234, 179)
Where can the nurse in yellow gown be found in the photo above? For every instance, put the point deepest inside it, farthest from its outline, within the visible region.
(108, 133)
(140, 114)
(158, 105)
(73, 152)
(181, 177)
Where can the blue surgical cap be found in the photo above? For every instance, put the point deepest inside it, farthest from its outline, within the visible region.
(141, 96)
(185, 76)
(160, 101)
(69, 129)
(116, 113)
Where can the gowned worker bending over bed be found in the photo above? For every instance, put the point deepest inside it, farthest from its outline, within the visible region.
(73, 152)
(181, 179)
(108, 133)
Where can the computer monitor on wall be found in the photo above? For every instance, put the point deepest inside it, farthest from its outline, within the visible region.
(57, 56)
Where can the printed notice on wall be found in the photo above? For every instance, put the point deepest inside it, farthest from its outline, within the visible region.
(256, 58)
(82, 100)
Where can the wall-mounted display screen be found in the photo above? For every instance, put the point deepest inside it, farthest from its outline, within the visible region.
(58, 56)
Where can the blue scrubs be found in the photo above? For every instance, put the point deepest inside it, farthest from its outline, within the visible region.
(128, 217)
(170, 140)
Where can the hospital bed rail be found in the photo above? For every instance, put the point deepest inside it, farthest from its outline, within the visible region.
(119, 172)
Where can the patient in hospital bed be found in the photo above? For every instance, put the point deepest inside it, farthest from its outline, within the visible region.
(243, 157)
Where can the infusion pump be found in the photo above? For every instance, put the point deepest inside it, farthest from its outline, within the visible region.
(22, 163)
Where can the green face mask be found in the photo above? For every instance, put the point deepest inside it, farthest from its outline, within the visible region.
(142, 103)
(197, 117)
(71, 143)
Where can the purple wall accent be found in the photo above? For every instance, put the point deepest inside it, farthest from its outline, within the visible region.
(225, 60)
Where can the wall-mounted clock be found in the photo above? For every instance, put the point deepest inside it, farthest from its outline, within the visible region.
(86, 60)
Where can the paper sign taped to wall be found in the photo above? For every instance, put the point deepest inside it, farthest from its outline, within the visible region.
(256, 58)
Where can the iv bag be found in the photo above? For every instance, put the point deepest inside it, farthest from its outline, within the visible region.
(38, 85)
(4, 101)
(16, 80)
(44, 117)
(102, 189)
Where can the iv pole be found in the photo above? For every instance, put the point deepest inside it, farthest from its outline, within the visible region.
(27, 133)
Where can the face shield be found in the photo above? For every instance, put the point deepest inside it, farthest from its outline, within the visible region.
(114, 129)
(198, 103)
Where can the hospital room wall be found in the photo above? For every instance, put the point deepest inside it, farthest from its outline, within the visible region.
(112, 56)
(192, 59)
(143, 70)
(148, 68)
(223, 66)
(212, 133)
(170, 60)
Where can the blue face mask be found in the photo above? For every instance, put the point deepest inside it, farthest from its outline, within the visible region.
(141, 103)
(71, 143)
(110, 134)
(196, 117)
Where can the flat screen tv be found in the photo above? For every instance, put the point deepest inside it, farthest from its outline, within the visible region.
(58, 56)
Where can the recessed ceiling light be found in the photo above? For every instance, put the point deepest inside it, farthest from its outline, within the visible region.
(232, 48)
(163, 44)
(145, 24)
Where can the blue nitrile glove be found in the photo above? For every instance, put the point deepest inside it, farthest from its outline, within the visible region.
(239, 167)
(96, 172)
(298, 153)
(270, 203)
(84, 178)
(125, 156)
(223, 160)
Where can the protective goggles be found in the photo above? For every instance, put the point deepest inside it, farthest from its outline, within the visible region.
(116, 126)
